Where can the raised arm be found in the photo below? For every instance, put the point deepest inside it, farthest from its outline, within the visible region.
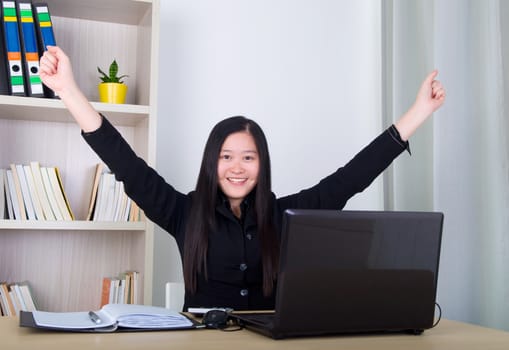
(430, 97)
(56, 73)
(159, 200)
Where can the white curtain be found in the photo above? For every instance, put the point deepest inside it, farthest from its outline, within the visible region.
(461, 157)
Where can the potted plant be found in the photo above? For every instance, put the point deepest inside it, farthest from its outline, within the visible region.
(112, 89)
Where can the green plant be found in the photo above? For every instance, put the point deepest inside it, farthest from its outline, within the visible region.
(112, 77)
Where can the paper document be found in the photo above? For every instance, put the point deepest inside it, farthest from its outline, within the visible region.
(109, 318)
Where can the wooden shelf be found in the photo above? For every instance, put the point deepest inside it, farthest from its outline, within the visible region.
(71, 225)
(115, 11)
(54, 110)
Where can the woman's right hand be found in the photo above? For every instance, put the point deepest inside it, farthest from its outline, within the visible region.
(56, 71)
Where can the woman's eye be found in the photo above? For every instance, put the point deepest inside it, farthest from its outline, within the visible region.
(225, 157)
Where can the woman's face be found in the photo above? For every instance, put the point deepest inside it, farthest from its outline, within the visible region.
(238, 167)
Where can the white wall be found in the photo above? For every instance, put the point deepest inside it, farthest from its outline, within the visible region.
(308, 71)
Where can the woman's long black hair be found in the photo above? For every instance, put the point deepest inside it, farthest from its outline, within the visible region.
(202, 217)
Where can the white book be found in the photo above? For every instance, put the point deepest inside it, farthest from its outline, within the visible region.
(27, 198)
(51, 196)
(22, 215)
(127, 209)
(119, 190)
(105, 192)
(21, 300)
(8, 199)
(14, 196)
(27, 296)
(2, 194)
(111, 296)
(41, 191)
(36, 202)
(127, 288)
(100, 199)
(114, 292)
(122, 205)
(109, 210)
(121, 291)
(58, 190)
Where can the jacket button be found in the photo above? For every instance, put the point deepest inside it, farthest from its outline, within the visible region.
(244, 292)
(249, 236)
(243, 267)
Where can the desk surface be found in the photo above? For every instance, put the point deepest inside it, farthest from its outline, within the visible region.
(448, 335)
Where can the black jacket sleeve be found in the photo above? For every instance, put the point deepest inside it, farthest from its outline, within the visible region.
(160, 201)
(336, 189)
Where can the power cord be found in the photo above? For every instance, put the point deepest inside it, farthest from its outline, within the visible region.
(439, 315)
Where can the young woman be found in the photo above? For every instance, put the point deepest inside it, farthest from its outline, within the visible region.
(227, 230)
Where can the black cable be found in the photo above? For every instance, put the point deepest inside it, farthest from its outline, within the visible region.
(228, 327)
(439, 315)
(233, 322)
(239, 328)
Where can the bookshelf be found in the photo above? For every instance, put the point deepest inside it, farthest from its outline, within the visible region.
(65, 262)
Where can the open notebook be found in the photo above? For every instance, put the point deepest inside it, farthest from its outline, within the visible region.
(353, 271)
(110, 318)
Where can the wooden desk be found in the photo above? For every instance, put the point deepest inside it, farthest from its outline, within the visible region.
(448, 335)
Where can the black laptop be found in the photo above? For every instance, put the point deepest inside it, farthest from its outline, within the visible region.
(354, 272)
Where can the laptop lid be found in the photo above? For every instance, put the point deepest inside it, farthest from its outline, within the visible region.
(356, 271)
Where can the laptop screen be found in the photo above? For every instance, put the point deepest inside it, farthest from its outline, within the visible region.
(357, 270)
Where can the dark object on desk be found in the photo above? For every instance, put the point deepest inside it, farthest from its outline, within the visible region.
(354, 272)
(217, 319)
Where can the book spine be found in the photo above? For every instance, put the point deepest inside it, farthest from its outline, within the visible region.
(41, 191)
(8, 199)
(17, 192)
(51, 196)
(25, 193)
(36, 202)
(105, 291)
(3, 199)
(64, 195)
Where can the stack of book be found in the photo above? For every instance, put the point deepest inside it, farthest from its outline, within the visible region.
(123, 289)
(15, 297)
(33, 192)
(108, 200)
